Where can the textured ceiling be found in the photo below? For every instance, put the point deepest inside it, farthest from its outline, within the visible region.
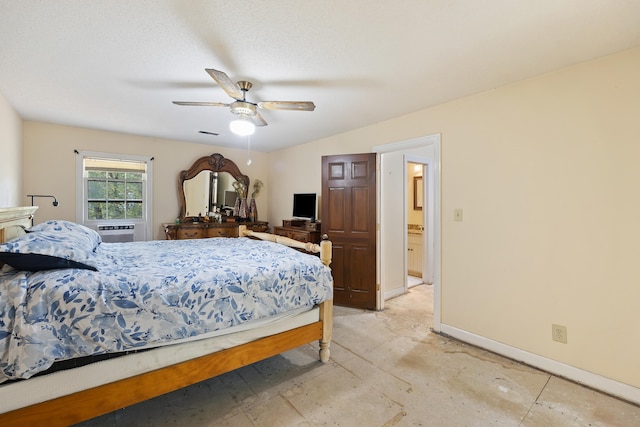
(117, 65)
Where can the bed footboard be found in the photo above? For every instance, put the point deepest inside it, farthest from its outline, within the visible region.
(324, 248)
(325, 251)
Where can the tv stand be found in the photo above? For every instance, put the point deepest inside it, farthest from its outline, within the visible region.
(299, 229)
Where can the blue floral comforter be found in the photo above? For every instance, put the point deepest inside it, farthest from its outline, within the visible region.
(145, 294)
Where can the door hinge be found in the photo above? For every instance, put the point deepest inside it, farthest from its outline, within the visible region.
(377, 286)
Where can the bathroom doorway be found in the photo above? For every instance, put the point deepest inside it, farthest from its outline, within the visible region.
(416, 211)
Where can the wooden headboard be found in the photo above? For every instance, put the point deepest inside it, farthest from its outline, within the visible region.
(13, 221)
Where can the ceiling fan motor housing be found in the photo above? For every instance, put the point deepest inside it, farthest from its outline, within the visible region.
(241, 108)
(244, 85)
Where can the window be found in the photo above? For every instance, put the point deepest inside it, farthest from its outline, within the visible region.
(114, 189)
(114, 195)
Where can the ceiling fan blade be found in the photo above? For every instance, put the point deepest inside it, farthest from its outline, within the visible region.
(226, 83)
(287, 105)
(202, 104)
(258, 120)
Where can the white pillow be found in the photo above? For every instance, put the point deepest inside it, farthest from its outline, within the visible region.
(68, 227)
(48, 250)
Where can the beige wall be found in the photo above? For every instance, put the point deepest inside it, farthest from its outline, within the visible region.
(11, 158)
(546, 173)
(49, 160)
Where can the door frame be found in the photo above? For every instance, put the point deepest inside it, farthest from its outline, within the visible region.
(434, 210)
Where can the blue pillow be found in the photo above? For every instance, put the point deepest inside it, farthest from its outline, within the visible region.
(48, 250)
(69, 227)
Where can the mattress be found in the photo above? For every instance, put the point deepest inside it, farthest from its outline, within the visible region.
(22, 393)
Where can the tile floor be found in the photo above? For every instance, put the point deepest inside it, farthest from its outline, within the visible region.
(387, 369)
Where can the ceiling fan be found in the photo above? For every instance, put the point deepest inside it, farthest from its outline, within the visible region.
(249, 117)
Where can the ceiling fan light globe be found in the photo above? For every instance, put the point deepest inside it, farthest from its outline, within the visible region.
(242, 127)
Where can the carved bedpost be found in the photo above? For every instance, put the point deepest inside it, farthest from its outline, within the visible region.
(325, 251)
(326, 316)
(326, 309)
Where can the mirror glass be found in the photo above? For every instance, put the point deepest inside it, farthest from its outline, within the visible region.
(208, 184)
(208, 190)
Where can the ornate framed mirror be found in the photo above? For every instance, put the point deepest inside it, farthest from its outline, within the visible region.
(205, 184)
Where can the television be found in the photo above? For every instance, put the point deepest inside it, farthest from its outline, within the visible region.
(230, 198)
(304, 206)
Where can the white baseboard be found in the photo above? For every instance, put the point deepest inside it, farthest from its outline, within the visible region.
(598, 382)
(393, 293)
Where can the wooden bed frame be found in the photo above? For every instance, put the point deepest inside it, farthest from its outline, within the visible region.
(106, 398)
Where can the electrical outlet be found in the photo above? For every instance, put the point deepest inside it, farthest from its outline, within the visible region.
(559, 333)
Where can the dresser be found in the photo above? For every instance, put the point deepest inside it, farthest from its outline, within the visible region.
(299, 234)
(201, 230)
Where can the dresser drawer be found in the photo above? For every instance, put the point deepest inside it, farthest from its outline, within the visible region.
(222, 232)
(190, 233)
(297, 234)
(262, 228)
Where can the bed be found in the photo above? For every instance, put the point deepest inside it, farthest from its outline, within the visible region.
(228, 327)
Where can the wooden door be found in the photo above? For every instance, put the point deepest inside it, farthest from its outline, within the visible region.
(349, 219)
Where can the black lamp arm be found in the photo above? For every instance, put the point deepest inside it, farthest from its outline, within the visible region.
(33, 196)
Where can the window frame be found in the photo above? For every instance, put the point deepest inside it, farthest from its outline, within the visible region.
(145, 224)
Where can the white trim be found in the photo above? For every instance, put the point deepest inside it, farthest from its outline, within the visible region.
(598, 382)
(437, 234)
(407, 144)
(380, 298)
(394, 293)
(81, 154)
(405, 221)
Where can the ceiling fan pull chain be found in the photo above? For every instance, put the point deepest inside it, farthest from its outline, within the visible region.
(248, 150)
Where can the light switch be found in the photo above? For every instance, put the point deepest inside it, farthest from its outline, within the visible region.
(457, 215)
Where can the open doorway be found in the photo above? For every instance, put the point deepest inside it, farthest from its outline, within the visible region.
(416, 212)
(394, 222)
